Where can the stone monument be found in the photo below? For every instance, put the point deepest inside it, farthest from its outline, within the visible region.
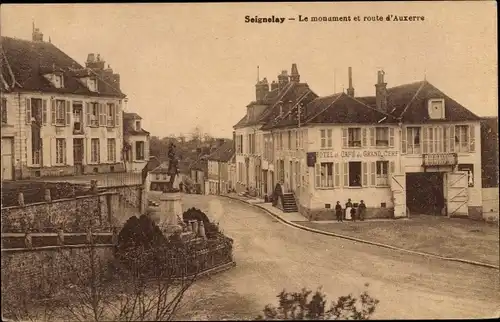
(168, 216)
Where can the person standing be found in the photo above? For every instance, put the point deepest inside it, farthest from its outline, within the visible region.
(353, 213)
(338, 211)
(348, 205)
(362, 210)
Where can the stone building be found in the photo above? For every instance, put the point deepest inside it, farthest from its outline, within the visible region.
(219, 168)
(406, 148)
(136, 142)
(58, 117)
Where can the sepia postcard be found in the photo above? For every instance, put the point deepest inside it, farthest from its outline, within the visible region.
(243, 161)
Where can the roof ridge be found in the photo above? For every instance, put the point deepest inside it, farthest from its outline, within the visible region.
(369, 107)
(322, 111)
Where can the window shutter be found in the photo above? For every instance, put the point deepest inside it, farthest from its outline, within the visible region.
(346, 174)
(452, 138)
(403, 140)
(87, 113)
(68, 112)
(373, 172)
(392, 168)
(318, 175)
(424, 140)
(344, 137)
(372, 136)
(363, 140)
(336, 181)
(53, 112)
(329, 138)
(117, 113)
(28, 111)
(44, 112)
(472, 138)
(391, 137)
(65, 153)
(364, 177)
(102, 115)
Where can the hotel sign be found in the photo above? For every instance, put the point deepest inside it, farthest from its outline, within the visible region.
(356, 154)
(439, 159)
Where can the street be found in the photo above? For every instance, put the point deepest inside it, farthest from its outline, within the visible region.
(271, 256)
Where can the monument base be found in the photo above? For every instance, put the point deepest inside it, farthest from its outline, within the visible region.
(169, 213)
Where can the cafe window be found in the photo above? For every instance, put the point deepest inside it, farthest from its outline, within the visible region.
(413, 140)
(327, 174)
(326, 138)
(354, 137)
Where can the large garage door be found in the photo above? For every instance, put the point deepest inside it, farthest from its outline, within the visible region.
(398, 188)
(7, 159)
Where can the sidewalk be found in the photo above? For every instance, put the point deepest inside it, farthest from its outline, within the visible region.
(460, 240)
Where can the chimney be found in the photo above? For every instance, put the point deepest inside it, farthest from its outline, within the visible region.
(37, 36)
(381, 92)
(274, 85)
(283, 79)
(350, 89)
(93, 63)
(295, 76)
(261, 90)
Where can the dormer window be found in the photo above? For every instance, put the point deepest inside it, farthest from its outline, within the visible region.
(436, 109)
(92, 84)
(137, 125)
(58, 81)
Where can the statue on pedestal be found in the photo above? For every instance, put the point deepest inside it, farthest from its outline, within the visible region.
(173, 170)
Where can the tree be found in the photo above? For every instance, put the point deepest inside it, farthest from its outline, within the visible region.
(196, 134)
(300, 306)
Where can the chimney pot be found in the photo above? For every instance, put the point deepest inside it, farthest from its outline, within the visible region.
(381, 92)
(350, 89)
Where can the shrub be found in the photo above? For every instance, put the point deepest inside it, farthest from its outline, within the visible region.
(300, 306)
(195, 214)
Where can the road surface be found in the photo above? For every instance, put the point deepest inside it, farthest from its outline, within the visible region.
(271, 256)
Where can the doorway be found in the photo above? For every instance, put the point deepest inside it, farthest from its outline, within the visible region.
(425, 193)
(78, 155)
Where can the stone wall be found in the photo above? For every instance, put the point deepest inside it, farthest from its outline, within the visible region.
(73, 215)
(40, 273)
(329, 214)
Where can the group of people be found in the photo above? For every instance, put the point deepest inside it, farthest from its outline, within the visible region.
(355, 212)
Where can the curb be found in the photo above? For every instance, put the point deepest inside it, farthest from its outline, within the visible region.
(465, 261)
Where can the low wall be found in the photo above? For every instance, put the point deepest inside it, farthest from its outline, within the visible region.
(132, 201)
(490, 204)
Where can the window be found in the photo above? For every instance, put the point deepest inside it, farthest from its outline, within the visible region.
(58, 81)
(4, 110)
(94, 114)
(354, 137)
(462, 138)
(110, 115)
(436, 109)
(324, 175)
(60, 112)
(289, 140)
(139, 150)
(137, 125)
(60, 151)
(111, 150)
(354, 174)
(382, 173)
(413, 137)
(381, 136)
(92, 84)
(280, 142)
(95, 154)
(326, 138)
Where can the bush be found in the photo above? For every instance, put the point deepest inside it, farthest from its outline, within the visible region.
(299, 306)
(195, 214)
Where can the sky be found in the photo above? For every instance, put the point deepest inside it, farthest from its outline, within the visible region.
(188, 65)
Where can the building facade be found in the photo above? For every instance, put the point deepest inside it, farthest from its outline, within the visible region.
(254, 159)
(135, 143)
(219, 169)
(58, 117)
(407, 149)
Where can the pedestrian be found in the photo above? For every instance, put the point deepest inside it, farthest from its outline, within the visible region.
(362, 210)
(353, 213)
(338, 211)
(348, 205)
